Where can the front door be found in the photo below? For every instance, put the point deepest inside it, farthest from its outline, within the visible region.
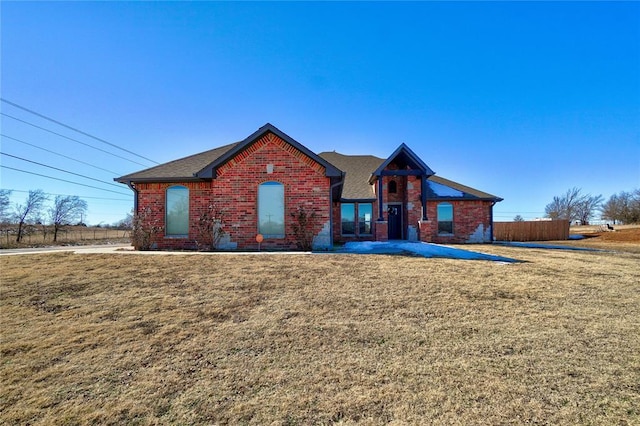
(395, 221)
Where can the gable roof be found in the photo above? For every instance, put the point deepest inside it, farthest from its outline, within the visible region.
(210, 170)
(360, 169)
(203, 165)
(406, 157)
(356, 171)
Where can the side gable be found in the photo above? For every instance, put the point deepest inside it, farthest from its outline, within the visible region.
(210, 170)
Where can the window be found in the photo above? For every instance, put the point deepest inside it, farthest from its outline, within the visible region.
(445, 218)
(177, 211)
(393, 187)
(348, 218)
(348, 215)
(364, 218)
(271, 209)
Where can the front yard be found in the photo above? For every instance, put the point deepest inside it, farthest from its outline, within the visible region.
(318, 339)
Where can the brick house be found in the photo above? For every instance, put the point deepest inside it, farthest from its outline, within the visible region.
(261, 181)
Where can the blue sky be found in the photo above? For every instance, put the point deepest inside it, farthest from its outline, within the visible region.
(522, 100)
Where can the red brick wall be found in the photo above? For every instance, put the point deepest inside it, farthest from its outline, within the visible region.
(235, 191)
(153, 195)
(471, 219)
(471, 223)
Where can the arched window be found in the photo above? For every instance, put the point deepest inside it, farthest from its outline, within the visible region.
(271, 209)
(177, 211)
(445, 218)
(393, 187)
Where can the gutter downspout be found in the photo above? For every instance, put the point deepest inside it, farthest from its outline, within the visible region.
(135, 197)
(493, 203)
(335, 185)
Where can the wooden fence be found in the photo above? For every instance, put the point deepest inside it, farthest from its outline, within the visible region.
(44, 235)
(544, 230)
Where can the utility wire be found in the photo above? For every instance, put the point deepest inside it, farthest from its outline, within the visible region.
(68, 195)
(61, 170)
(71, 139)
(56, 153)
(62, 180)
(74, 129)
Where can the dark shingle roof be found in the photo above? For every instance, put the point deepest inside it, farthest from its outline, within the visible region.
(180, 169)
(358, 169)
(203, 165)
(441, 188)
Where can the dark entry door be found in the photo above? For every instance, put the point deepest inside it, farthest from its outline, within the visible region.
(395, 222)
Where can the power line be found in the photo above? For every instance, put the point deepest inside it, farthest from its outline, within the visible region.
(62, 180)
(60, 170)
(71, 139)
(56, 153)
(75, 130)
(68, 195)
(518, 212)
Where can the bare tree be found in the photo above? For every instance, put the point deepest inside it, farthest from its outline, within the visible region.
(126, 223)
(574, 206)
(623, 207)
(634, 206)
(555, 209)
(29, 210)
(587, 207)
(5, 203)
(518, 218)
(66, 210)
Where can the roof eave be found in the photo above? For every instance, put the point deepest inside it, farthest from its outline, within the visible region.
(357, 200)
(161, 180)
(471, 198)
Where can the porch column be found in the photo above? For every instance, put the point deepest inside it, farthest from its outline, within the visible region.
(423, 196)
(380, 214)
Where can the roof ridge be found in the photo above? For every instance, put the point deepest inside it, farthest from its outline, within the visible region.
(351, 155)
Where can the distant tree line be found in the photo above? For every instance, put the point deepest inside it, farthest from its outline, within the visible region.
(577, 207)
(64, 210)
(623, 207)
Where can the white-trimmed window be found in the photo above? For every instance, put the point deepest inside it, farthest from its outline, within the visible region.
(271, 209)
(445, 218)
(177, 211)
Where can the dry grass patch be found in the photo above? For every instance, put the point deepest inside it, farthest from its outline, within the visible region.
(320, 339)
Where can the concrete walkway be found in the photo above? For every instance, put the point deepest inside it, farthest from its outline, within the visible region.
(102, 248)
(128, 249)
(390, 247)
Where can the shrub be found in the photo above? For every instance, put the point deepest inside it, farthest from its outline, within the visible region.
(145, 228)
(302, 227)
(210, 228)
